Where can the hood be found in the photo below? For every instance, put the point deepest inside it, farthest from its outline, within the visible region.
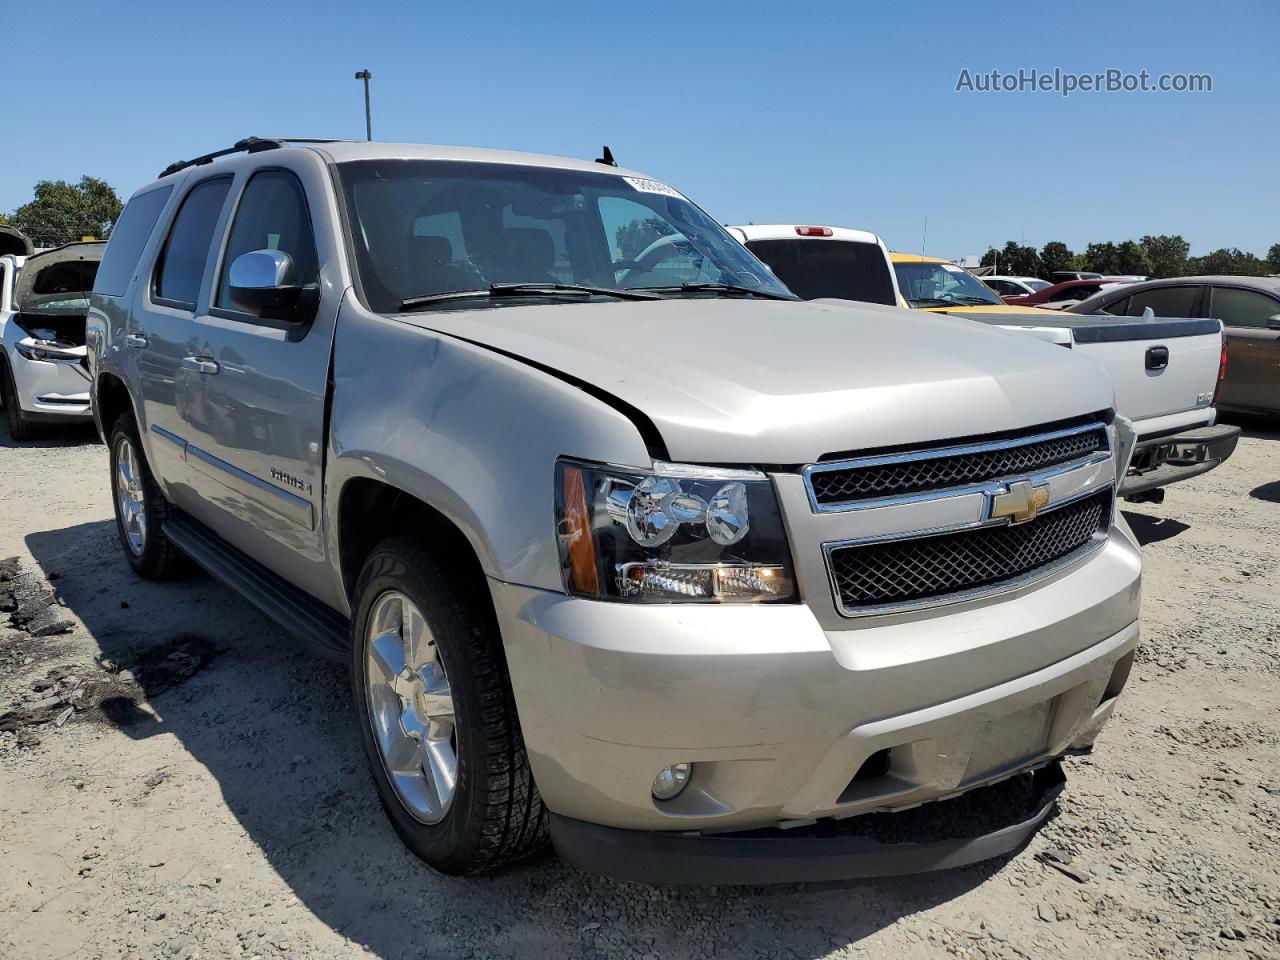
(14, 241)
(755, 381)
(59, 280)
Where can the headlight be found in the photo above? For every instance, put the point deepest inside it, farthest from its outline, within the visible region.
(1123, 439)
(43, 350)
(681, 533)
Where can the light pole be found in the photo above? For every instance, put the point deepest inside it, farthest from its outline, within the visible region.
(366, 76)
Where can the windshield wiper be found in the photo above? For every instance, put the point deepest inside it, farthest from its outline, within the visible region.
(498, 290)
(967, 298)
(718, 288)
(921, 301)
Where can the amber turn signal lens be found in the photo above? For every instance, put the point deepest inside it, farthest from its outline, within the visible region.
(583, 575)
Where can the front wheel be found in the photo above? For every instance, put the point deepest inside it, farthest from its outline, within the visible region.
(437, 716)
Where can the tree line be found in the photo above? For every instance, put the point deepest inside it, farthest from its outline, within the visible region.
(62, 212)
(1159, 256)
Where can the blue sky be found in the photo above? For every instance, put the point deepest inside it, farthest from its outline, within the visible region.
(841, 113)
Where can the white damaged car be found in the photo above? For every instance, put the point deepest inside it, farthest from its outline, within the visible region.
(43, 302)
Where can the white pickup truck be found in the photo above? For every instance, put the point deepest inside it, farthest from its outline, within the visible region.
(1165, 370)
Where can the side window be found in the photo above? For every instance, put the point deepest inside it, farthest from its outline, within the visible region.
(128, 237)
(1075, 293)
(272, 215)
(1164, 301)
(1003, 287)
(1242, 308)
(180, 270)
(1117, 307)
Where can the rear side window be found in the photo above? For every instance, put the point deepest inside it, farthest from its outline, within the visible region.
(1242, 308)
(128, 237)
(1117, 307)
(272, 215)
(1164, 302)
(182, 261)
(1083, 291)
(845, 269)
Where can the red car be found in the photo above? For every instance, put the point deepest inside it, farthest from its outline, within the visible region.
(1067, 290)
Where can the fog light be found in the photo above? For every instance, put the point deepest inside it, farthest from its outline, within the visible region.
(671, 780)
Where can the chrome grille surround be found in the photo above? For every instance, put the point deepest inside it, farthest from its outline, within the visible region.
(948, 567)
(873, 481)
(978, 570)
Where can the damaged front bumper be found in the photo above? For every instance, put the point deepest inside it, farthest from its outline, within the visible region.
(831, 851)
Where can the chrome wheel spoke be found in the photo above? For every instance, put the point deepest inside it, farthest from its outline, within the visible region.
(411, 707)
(131, 502)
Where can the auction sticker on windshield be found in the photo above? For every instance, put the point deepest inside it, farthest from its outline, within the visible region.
(952, 268)
(653, 186)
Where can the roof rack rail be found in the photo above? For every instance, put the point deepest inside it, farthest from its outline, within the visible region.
(247, 145)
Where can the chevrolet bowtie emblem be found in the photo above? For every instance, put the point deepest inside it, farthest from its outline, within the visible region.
(1021, 502)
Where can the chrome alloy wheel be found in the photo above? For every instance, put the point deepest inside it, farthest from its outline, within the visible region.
(131, 503)
(410, 707)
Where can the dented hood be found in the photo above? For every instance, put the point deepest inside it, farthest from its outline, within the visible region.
(59, 280)
(752, 381)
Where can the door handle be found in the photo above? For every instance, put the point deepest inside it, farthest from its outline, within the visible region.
(1157, 358)
(135, 340)
(201, 365)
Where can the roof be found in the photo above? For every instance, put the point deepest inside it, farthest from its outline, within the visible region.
(1271, 284)
(915, 258)
(1009, 276)
(787, 231)
(342, 151)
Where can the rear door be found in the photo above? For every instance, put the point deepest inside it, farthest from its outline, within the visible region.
(253, 402)
(1253, 350)
(161, 326)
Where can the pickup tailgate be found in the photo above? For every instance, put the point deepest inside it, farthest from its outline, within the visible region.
(1158, 366)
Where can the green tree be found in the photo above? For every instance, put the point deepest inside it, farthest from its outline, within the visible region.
(1054, 255)
(63, 212)
(633, 237)
(1167, 255)
(1230, 261)
(1014, 259)
(1273, 258)
(1131, 258)
(1102, 258)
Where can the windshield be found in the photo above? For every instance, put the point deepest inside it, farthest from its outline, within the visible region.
(427, 227)
(1037, 285)
(940, 285)
(814, 268)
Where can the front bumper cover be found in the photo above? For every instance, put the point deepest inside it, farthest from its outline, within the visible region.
(1164, 460)
(788, 856)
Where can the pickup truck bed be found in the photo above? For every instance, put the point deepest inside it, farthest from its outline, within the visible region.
(1164, 371)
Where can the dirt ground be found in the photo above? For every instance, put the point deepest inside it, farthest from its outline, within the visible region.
(178, 779)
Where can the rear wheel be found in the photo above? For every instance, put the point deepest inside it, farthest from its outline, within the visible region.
(437, 716)
(141, 508)
(20, 427)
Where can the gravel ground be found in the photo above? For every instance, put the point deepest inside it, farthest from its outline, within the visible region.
(178, 779)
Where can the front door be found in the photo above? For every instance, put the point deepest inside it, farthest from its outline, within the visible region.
(1253, 349)
(254, 404)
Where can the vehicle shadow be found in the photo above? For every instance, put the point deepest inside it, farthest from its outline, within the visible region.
(1253, 425)
(1269, 492)
(273, 725)
(1149, 529)
(51, 435)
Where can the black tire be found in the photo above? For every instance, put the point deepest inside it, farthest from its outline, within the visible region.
(496, 815)
(158, 559)
(20, 427)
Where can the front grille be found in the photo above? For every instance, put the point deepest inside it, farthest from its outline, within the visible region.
(847, 484)
(935, 567)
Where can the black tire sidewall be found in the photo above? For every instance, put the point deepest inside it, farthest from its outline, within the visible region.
(20, 427)
(150, 560)
(452, 844)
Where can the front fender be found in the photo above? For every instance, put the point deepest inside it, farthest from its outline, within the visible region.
(473, 433)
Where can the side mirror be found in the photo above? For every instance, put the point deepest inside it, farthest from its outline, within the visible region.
(264, 278)
(1273, 322)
